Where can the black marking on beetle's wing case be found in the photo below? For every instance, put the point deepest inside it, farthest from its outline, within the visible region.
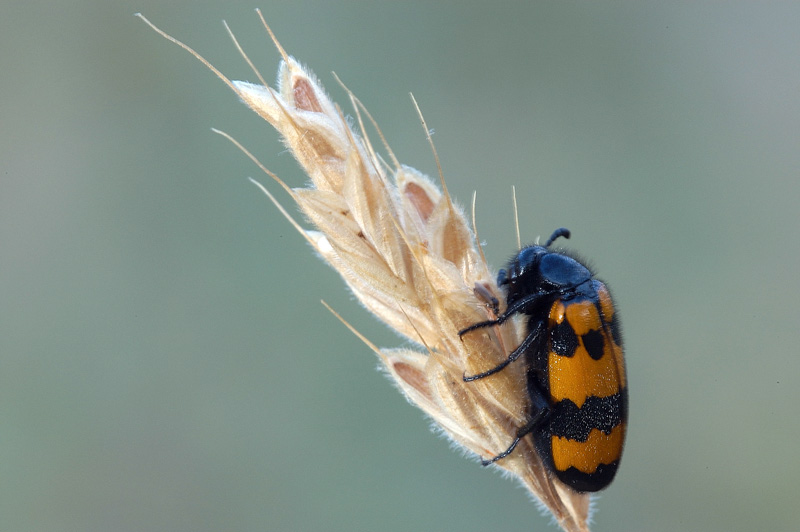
(602, 413)
(563, 340)
(594, 341)
(596, 481)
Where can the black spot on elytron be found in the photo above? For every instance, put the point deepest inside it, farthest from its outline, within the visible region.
(593, 342)
(602, 413)
(563, 340)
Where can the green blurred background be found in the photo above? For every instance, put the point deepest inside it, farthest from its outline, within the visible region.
(165, 363)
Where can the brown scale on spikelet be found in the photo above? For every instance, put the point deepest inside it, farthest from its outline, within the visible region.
(408, 254)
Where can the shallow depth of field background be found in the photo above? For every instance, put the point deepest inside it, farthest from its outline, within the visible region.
(165, 363)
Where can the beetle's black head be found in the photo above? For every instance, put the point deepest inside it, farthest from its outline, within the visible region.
(538, 270)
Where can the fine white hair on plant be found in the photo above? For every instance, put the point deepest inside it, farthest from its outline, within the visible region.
(409, 256)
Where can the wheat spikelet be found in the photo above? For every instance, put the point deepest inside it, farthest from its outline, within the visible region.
(407, 253)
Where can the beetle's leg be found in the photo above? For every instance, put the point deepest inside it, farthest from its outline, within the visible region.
(541, 410)
(533, 337)
(517, 306)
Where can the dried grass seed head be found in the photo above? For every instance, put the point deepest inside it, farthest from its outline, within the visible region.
(409, 256)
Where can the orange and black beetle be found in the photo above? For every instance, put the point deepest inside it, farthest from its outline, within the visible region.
(574, 365)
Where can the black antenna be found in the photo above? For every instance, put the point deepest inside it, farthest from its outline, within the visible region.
(561, 231)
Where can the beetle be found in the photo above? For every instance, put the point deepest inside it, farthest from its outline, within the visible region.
(574, 365)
